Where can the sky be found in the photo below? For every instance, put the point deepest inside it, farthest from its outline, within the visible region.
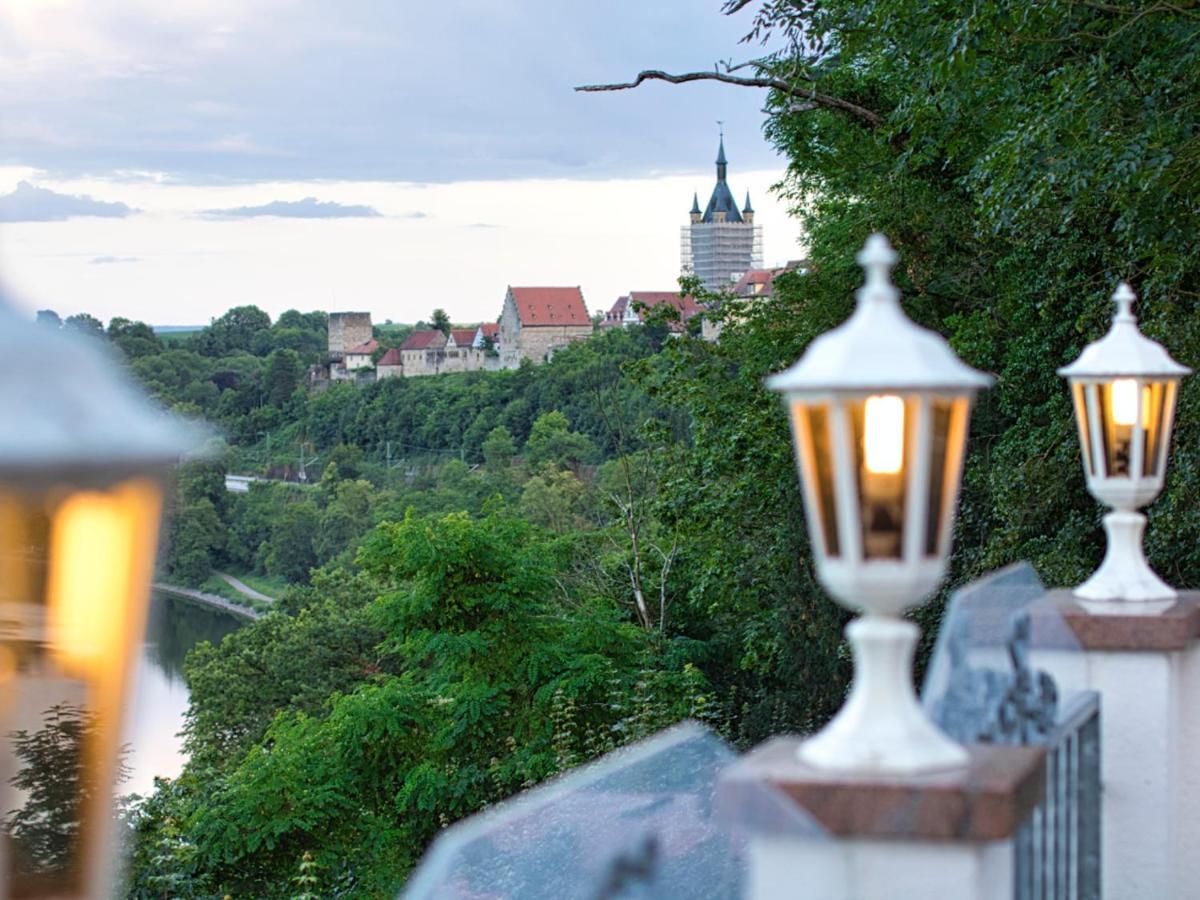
(166, 161)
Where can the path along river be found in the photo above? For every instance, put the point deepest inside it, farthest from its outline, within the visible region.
(160, 697)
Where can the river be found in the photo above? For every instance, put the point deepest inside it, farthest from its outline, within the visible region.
(160, 698)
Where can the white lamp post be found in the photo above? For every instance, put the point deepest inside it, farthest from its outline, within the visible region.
(1124, 388)
(82, 457)
(879, 410)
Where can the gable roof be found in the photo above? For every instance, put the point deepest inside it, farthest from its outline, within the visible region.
(364, 349)
(686, 305)
(424, 340)
(463, 337)
(550, 306)
(490, 329)
(745, 286)
(617, 313)
(391, 358)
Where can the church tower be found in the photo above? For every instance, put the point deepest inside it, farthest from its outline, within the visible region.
(721, 243)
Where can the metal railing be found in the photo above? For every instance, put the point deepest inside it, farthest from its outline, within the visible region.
(1058, 848)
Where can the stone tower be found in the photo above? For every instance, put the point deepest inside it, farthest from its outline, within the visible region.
(721, 243)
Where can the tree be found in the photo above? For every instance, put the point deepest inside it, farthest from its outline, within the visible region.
(48, 318)
(292, 552)
(439, 321)
(199, 539)
(284, 373)
(498, 449)
(83, 323)
(59, 787)
(551, 440)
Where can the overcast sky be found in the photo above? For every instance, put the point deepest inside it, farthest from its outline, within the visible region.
(165, 161)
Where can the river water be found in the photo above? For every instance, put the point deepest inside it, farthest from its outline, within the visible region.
(160, 699)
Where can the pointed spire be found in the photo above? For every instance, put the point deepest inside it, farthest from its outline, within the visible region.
(721, 157)
(695, 203)
(748, 208)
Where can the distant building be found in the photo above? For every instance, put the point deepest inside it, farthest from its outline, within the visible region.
(390, 365)
(346, 330)
(488, 331)
(628, 309)
(721, 243)
(421, 353)
(758, 282)
(536, 321)
(359, 356)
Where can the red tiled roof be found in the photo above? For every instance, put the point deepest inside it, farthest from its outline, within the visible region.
(687, 305)
(550, 306)
(463, 337)
(391, 358)
(745, 285)
(422, 340)
(490, 329)
(365, 349)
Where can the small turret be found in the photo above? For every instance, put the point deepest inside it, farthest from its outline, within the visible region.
(748, 210)
(696, 213)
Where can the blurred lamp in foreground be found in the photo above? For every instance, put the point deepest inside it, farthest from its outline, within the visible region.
(1124, 387)
(81, 461)
(879, 410)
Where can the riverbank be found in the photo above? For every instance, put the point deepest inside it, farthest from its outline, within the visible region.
(211, 600)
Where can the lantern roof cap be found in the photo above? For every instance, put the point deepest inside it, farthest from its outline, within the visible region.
(1124, 351)
(878, 348)
(69, 413)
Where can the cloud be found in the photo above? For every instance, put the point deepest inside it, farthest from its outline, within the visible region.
(87, 88)
(108, 260)
(308, 208)
(29, 203)
(415, 214)
(484, 225)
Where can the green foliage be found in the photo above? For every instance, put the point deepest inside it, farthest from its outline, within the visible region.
(347, 731)
(552, 441)
(440, 321)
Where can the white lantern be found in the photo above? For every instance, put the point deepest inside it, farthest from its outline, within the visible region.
(82, 457)
(879, 410)
(1124, 388)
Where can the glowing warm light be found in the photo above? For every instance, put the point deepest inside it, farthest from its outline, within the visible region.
(883, 435)
(1124, 401)
(100, 556)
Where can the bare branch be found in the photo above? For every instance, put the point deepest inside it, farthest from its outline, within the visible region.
(804, 94)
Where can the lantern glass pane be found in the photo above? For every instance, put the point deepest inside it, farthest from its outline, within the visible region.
(1153, 397)
(881, 436)
(1085, 436)
(76, 570)
(1166, 416)
(1115, 450)
(948, 442)
(812, 434)
(1128, 406)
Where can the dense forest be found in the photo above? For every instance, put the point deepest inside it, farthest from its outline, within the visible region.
(496, 576)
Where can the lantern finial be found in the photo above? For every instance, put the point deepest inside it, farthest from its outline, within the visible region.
(877, 259)
(1124, 297)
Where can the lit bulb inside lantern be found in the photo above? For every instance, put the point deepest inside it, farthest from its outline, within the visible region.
(1124, 401)
(883, 435)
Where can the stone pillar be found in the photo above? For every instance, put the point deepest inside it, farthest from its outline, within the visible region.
(940, 836)
(1144, 660)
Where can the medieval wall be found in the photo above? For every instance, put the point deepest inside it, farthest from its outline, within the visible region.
(348, 329)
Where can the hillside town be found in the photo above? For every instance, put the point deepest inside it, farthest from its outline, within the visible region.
(721, 247)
